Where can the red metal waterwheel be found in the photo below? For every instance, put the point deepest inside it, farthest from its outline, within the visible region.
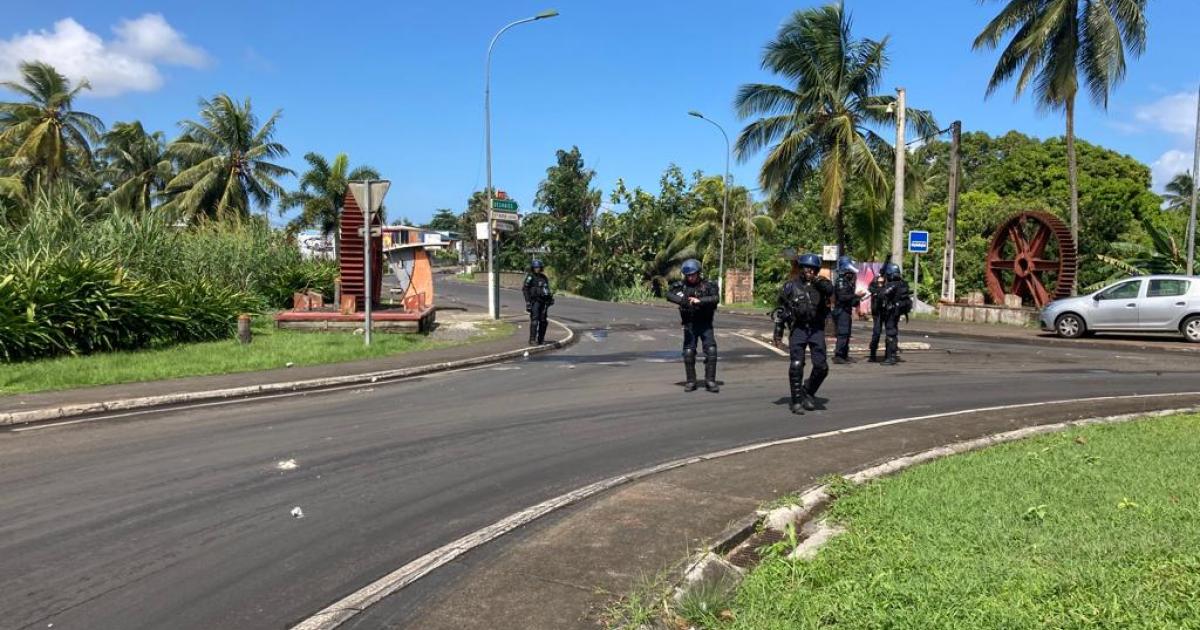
(1031, 255)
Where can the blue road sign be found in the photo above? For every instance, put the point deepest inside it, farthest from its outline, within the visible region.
(918, 242)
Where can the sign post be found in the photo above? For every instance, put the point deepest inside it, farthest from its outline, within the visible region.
(368, 194)
(918, 243)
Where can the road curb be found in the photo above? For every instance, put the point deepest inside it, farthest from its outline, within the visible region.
(250, 391)
(716, 567)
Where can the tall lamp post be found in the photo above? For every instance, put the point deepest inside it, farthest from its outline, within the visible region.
(493, 268)
(724, 204)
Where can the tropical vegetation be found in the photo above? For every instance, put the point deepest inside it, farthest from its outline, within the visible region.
(117, 239)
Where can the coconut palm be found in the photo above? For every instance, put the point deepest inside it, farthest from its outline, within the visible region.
(47, 136)
(223, 161)
(136, 165)
(322, 189)
(1053, 43)
(820, 125)
(1178, 194)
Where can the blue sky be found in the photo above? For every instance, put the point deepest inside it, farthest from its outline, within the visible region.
(399, 85)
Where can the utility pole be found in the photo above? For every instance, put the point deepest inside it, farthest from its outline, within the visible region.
(898, 200)
(1191, 231)
(951, 216)
(493, 271)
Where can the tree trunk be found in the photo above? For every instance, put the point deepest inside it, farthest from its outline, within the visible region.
(840, 226)
(1073, 180)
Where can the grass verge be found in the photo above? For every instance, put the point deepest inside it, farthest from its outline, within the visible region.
(1095, 527)
(271, 348)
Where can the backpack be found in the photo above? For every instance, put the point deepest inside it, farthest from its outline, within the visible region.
(803, 300)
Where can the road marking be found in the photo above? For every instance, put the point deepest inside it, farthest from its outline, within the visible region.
(346, 608)
(763, 344)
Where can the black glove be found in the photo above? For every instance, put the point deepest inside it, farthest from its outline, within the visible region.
(528, 307)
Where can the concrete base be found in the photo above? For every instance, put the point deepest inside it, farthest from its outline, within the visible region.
(987, 314)
(381, 321)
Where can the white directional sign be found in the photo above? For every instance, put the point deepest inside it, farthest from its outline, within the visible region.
(375, 231)
(505, 227)
(511, 217)
(481, 231)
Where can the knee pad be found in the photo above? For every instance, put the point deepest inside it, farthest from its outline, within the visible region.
(710, 351)
(796, 368)
(819, 371)
(689, 354)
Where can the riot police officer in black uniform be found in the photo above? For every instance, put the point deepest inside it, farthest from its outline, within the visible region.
(697, 299)
(845, 299)
(803, 305)
(896, 302)
(538, 300)
(875, 288)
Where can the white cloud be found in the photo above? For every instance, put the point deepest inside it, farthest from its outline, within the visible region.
(128, 63)
(1168, 165)
(1174, 114)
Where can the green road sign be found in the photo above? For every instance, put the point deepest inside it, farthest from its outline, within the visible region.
(504, 204)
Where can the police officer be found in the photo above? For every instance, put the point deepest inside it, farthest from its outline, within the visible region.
(697, 299)
(896, 302)
(803, 305)
(845, 299)
(538, 300)
(875, 288)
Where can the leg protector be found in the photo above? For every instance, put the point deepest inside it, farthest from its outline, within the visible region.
(710, 369)
(689, 369)
(796, 384)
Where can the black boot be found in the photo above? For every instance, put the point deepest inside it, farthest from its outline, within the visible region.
(689, 370)
(796, 383)
(874, 358)
(889, 357)
(710, 374)
(541, 333)
(533, 333)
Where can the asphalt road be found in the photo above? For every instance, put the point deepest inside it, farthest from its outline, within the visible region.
(182, 519)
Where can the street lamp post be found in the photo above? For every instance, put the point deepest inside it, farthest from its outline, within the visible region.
(724, 205)
(493, 268)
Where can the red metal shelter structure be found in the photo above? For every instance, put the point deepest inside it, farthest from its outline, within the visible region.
(350, 256)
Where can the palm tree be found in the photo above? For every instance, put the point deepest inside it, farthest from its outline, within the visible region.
(1053, 42)
(1178, 195)
(136, 165)
(322, 189)
(819, 127)
(48, 136)
(223, 161)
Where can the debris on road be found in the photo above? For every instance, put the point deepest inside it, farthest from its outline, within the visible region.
(297, 512)
(287, 464)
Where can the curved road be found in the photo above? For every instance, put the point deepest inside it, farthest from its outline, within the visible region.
(182, 518)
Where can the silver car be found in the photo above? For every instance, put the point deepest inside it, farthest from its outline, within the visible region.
(1158, 304)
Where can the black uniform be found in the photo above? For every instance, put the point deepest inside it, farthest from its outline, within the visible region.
(803, 305)
(845, 300)
(895, 302)
(697, 327)
(538, 300)
(876, 316)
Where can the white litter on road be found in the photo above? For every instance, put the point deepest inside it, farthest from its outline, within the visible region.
(297, 512)
(287, 464)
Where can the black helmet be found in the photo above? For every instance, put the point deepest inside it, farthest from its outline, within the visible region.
(892, 271)
(690, 266)
(809, 260)
(536, 265)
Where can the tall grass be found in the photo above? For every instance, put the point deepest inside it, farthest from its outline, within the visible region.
(76, 282)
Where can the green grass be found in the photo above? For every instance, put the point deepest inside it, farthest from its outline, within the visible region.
(1094, 528)
(270, 348)
(747, 306)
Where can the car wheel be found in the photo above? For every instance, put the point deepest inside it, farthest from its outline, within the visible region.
(1070, 326)
(1191, 329)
